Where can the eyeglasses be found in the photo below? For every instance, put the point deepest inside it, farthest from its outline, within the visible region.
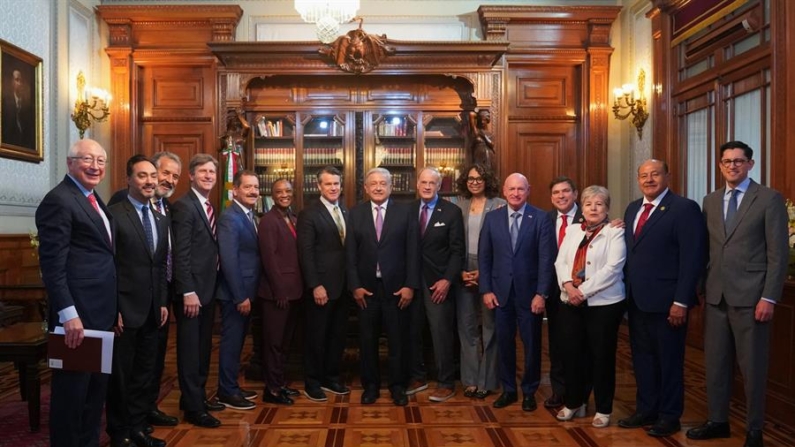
(728, 162)
(89, 160)
(475, 180)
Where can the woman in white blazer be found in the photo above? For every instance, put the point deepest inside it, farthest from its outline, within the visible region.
(590, 267)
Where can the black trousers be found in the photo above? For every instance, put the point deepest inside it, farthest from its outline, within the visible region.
(129, 396)
(160, 357)
(590, 338)
(382, 309)
(194, 343)
(325, 340)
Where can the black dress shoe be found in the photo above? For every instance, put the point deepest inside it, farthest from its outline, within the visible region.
(144, 440)
(663, 428)
(637, 420)
(315, 395)
(148, 429)
(710, 430)
(237, 402)
(157, 417)
(202, 419)
(336, 388)
(210, 405)
(291, 392)
(278, 399)
(399, 398)
(122, 442)
(369, 396)
(554, 401)
(505, 399)
(248, 394)
(529, 403)
(754, 439)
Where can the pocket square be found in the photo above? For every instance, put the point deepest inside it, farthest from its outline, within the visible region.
(439, 224)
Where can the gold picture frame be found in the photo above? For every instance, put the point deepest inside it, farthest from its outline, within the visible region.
(21, 107)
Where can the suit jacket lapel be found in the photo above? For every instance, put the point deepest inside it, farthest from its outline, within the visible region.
(197, 202)
(748, 198)
(243, 216)
(135, 221)
(528, 220)
(656, 215)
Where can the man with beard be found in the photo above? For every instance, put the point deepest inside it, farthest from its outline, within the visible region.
(240, 268)
(169, 169)
(141, 270)
(280, 290)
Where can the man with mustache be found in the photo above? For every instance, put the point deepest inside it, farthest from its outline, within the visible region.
(169, 169)
(141, 247)
(240, 268)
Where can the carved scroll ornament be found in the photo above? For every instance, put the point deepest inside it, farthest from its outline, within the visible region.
(357, 52)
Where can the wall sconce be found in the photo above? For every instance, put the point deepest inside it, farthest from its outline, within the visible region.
(625, 99)
(88, 110)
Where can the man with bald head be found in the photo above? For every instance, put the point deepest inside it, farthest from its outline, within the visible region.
(76, 257)
(516, 254)
(666, 248)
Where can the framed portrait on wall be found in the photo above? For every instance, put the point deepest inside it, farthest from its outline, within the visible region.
(21, 108)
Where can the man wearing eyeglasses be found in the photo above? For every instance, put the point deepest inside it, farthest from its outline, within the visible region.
(76, 258)
(748, 255)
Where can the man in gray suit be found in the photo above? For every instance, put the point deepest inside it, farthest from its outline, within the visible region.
(748, 255)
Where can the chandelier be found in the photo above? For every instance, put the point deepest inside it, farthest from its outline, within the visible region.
(327, 15)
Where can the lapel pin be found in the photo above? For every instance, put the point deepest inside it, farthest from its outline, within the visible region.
(662, 208)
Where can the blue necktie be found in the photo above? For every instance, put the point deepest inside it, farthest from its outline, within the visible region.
(150, 237)
(514, 230)
(731, 210)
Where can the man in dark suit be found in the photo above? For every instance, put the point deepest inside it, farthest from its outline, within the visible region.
(666, 250)
(563, 194)
(141, 246)
(382, 249)
(19, 114)
(76, 255)
(515, 257)
(196, 265)
(240, 268)
(748, 255)
(280, 290)
(441, 233)
(169, 168)
(321, 245)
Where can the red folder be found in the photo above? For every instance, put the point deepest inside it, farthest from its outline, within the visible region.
(87, 357)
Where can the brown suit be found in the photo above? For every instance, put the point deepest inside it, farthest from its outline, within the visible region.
(280, 289)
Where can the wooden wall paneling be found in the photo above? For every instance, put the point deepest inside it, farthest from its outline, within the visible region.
(20, 277)
(541, 150)
(595, 118)
(121, 118)
(184, 139)
(663, 74)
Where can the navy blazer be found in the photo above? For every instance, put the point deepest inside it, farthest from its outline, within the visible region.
(667, 260)
(397, 252)
(442, 245)
(239, 251)
(141, 272)
(321, 252)
(530, 269)
(195, 250)
(76, 257)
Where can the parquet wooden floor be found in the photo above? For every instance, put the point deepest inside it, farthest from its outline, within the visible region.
(459, 422)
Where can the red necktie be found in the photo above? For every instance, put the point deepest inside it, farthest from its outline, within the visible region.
(211, 217)
(562, 231)
(644, 216)
(93, 199)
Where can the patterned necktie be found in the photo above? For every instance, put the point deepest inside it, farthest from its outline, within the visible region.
(644, 216)
(159, 206)
(290, 224)
(379, 222)
(514, 230)
(562, 231)
(423, 219)
(211, 217)
(731, 210)
(150, 237)
(250, 215)
(335, 213)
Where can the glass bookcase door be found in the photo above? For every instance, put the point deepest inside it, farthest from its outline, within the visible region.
(443, 144)
(274, 152)
(324, 143)
(395, 148)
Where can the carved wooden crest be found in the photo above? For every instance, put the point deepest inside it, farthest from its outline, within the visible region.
(357, 52)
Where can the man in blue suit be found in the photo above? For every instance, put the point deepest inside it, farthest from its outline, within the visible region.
(240, 267)
(516, 254)
(76, 255)
(666, 251)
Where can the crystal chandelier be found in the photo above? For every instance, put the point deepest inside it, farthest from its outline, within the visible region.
(327, 15)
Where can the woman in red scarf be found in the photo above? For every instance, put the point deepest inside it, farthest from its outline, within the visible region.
(589, 268)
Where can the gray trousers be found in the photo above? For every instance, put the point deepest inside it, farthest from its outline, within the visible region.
(478, 341)
(441, 321)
